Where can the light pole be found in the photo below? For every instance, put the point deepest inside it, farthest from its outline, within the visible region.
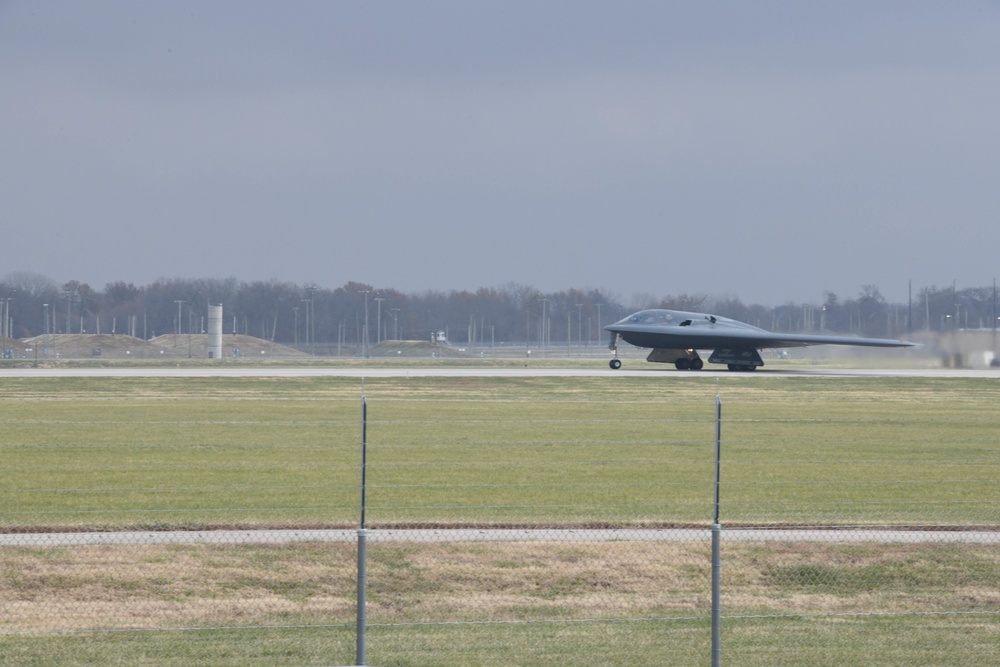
(190, 327)
(45, 308)
(306, 301)
(542, 332)
(5, 331)
(364, 337)
(177, 329)
(306, 335)
(311, 314)
(994, 318)
(598, 323)
(395, 323)
(378, 319)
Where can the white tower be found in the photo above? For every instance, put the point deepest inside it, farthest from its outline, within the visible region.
(215, 332)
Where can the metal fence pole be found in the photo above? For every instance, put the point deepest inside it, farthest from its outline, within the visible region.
(717, 545)
(362, 542)
(362, 594)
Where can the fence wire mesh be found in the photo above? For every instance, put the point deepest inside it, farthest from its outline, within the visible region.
(508, 522)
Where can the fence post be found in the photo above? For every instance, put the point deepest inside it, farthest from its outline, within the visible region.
(717, 545)
(362, 595)
(362, 543)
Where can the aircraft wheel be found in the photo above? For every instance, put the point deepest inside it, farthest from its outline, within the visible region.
(615, 364)
(697, 364)
(745, 368)
(682, 364)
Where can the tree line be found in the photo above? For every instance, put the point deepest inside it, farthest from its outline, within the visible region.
(360, 314)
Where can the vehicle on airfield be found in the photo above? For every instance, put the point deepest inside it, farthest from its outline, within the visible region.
(676, 336)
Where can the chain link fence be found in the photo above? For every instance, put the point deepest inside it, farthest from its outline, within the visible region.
(523, 528)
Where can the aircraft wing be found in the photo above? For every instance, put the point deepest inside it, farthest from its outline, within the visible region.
(711, 337)
(803, 340)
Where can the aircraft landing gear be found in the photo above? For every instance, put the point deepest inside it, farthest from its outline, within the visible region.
(737, 360)
(691, 363)
(615, 362)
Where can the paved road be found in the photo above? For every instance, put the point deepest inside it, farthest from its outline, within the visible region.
(600, 369)
(871, 535)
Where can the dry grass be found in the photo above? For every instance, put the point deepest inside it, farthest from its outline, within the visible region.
(161, 586)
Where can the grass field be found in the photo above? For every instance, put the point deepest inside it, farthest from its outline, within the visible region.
(131, 453)
(263, 451)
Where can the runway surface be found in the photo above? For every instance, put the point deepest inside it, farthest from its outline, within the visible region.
(640, 370)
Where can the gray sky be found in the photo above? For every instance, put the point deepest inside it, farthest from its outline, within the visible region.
(765, 150)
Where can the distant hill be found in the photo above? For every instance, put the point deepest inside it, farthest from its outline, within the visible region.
(413, 348)
(233, 346)
(181, 346)
(195, 346)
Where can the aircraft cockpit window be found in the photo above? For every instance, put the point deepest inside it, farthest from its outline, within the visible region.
(650, 317)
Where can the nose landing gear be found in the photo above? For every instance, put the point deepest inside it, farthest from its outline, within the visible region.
(615, 362)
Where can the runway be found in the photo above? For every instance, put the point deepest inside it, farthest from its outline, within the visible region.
(639, 369)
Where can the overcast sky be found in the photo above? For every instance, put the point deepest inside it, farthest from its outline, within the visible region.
(764, 150)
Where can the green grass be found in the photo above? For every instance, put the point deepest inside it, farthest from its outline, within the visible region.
(788, 641)
(81, 453)
(190, 452)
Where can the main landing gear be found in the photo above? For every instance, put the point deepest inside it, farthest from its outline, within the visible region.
(741, 367)
(689, 364)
